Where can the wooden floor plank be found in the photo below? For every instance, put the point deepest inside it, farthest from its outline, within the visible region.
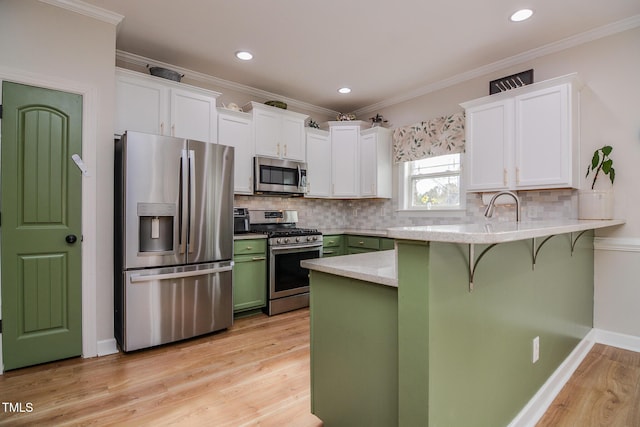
(257, 374)
(603, 391)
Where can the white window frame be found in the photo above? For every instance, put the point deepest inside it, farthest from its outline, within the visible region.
(404, 193)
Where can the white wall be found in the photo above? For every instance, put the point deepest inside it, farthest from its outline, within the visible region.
(48, 46)
(610, 106)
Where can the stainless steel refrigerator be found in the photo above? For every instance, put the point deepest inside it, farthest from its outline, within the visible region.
(173, 240)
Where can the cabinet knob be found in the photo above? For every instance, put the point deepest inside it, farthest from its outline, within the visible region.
(248, 248)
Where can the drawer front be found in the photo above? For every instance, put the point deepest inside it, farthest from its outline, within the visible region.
(351, 251)
(329, 252)
(257, 246)
(332, 241)
(363, 242)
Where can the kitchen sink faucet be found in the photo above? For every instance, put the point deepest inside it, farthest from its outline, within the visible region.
(488, 212)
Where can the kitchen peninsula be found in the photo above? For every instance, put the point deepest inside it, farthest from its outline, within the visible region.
(441, 331)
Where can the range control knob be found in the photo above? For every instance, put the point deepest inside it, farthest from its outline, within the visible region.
(315, 238)
(278, 241)
(286, 240)
(309, 238)
(297, 239)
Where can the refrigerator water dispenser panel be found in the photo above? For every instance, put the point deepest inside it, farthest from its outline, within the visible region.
(156, 222)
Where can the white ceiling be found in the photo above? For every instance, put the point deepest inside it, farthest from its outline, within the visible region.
(306, 50)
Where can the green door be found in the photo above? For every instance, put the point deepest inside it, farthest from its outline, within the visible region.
(40, 232)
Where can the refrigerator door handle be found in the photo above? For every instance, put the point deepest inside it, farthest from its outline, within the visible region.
(192, 200)
(184, 208)
(138, 278)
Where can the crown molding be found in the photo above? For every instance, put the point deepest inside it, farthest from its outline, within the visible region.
(588, 36)
(113, 18)
(88, 10)
(142, 61)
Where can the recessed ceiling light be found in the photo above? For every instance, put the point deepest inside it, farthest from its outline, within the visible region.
(344, 90)
(521, 15)
(244, 55)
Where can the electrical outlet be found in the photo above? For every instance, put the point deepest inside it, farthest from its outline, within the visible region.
(536, 350)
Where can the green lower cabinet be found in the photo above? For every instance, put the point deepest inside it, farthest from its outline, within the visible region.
(332, 245)
(387, 244)
(361, 244)
(249, 276)
(354, 358)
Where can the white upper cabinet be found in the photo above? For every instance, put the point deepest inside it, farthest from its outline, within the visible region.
(150, 104)
(142, 104)
(278, 133)
(193, 115)
(545, 150)
(524, 139)
(351, 161)
(234, 129)
(375, 162)
(318, 163)
(345, 159)
(489, 129)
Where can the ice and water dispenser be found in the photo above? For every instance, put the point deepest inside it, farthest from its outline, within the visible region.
(156, 221)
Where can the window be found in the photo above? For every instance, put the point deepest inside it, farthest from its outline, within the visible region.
(433, 183)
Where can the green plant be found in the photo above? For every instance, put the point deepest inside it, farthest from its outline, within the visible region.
(601, 163)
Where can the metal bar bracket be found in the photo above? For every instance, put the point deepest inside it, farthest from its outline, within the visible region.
(473, 262)
(574, 241)
(536, 250)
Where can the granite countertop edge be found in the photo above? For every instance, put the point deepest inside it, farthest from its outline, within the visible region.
(497, 232)
(375, 267)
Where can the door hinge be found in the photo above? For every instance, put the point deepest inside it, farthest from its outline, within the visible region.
(0, 111)
(0, 326)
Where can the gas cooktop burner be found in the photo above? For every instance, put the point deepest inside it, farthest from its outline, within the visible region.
(289, 232)
(280, 228)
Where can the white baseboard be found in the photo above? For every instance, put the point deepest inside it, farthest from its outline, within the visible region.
(106, 347)
(615, 339)
(537, 406)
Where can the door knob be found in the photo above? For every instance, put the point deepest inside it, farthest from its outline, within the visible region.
(71, 238)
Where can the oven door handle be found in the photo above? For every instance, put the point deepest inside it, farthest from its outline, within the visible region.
(302, 248)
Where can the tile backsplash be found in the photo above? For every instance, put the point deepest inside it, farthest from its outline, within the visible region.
(383, 213)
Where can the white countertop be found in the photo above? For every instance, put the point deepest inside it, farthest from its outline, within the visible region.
(496, 232)
(376, 267)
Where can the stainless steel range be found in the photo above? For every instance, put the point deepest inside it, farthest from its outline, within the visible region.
(287, 246)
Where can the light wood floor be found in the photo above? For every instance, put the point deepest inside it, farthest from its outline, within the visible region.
(257, 373)
(603, 391)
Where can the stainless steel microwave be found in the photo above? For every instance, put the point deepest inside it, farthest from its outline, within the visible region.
(277, 176)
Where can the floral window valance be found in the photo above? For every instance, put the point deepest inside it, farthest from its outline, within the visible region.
(435, 137)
